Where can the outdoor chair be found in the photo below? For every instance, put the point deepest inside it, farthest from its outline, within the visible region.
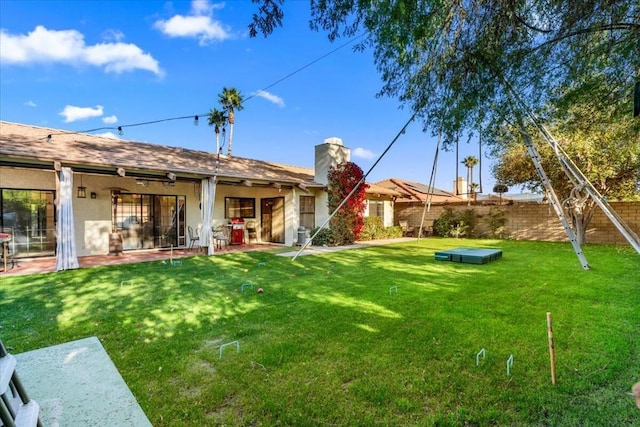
(193, 237)
(252, 231)
(406, 230)
(11, 258)
(221, 235)
(427, 229)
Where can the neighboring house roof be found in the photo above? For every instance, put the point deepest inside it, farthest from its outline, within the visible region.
(29, 146)
(380, 191)
(412, 191)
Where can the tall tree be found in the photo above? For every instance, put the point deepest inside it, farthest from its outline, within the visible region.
(231, 100)
(455, 63)
(217, 119)
(470, 162)
(593, 127)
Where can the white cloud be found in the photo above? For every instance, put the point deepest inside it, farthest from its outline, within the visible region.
(109, 120)
(363, 153)
(199, 24)
(113, 35)
(275, 99)
(68, 47)
(30, 103)
(72, 113)
(204, 7)
(108, 135)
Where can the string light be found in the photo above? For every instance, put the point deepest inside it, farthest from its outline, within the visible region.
(196, 118)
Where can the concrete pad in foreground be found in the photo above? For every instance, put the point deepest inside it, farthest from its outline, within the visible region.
(77, 384)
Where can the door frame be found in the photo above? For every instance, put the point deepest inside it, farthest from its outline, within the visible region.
(273, 222)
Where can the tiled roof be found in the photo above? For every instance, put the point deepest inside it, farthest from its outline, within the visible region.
(381, 190)
(28, 144)
(417, 192)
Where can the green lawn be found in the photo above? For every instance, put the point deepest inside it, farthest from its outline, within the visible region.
(327, 343)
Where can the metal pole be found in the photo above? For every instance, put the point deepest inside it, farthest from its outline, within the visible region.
(432, 179)
(552, 350)
(575, 175)
(364, 177)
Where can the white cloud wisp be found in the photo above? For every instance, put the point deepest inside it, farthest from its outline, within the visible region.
(275, 99)
(198, 24)
(73, 114)
(68, 47)
(363, 153)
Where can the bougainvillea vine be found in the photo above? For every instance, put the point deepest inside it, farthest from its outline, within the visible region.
(347, 223)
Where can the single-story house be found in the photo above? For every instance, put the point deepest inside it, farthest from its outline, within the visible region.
(152, 195)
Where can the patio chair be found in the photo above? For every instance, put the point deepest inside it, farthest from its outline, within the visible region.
(221, 235)
(193, 237)
(252, 231)
(16, 408)
(406, 230)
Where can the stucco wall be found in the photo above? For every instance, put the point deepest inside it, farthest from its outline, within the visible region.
(92, 217)
(529, 221)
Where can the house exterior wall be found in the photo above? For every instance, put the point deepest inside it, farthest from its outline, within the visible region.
(17, 178)
(388, 214)
(322, 208)
(531, 221)
(92, 217)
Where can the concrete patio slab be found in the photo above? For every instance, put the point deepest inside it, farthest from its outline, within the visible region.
(77, 384)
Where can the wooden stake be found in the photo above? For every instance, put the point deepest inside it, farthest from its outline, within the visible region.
(552, 351)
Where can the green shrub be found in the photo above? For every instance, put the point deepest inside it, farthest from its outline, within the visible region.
(496, 222)
(324, 237)
(374, 229)
(392, 232)
(452, 223)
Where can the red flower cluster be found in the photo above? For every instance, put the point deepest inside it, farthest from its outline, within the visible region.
(348, 222)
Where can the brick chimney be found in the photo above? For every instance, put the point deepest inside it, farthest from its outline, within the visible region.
(329, 154)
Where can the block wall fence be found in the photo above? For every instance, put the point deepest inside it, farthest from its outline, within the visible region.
(530, 221)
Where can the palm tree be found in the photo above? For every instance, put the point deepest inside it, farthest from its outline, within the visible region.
(231, 100)
(470, 162)
(474, 190)
(217, 119)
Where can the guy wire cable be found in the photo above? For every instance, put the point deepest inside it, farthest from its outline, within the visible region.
(364, 177)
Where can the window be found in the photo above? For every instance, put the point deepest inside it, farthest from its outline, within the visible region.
(376, 208)
(308, 212)
(239, 207)
(28, 215)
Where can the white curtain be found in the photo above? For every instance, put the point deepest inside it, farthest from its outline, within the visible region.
(66, 258)
(207, 200)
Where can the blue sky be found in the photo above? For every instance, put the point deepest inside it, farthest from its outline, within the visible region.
(80, 65)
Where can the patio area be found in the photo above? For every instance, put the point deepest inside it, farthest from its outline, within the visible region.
(48, 264)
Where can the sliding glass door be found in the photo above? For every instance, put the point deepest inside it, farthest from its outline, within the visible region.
(149, 221)
(29, 216)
